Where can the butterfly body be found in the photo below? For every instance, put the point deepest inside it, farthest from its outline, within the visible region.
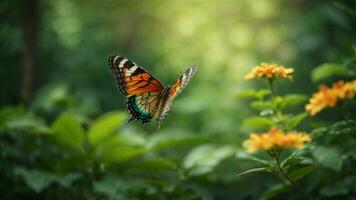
(146, 97)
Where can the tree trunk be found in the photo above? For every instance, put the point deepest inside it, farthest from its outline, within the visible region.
(29, 30)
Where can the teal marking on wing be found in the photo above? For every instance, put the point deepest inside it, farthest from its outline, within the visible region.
(136, 111)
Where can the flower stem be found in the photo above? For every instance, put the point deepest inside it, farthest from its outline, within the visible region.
(270, 81)
(285, 176)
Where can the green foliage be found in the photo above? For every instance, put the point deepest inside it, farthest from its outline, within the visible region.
(258, 122)
(328, 157)
(70, 141)
(301, 172)
(295, 120)
(37, 180)
(68, 131)
(104, 126)
(328, 70)
(203, 159)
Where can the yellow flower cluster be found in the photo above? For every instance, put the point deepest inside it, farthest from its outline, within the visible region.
(265, 70)
(276, 138)
(328, 97)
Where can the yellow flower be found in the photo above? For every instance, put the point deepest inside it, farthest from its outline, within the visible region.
(328, 97)
(276, 138)
(265, 70)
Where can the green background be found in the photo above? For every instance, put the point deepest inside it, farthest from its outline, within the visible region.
(59, 144)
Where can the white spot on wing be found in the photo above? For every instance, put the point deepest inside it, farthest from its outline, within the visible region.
(133, 69)
(116, 57)
(121, 65)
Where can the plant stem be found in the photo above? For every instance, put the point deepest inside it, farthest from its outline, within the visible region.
(349, 121)
(270, 81)
(285, 176)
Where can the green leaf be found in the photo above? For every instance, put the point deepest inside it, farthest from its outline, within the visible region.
(328, 157)
(258, 122)
(272, 191)
(28, 124)
(327, 70)
(203, 159)
(295, 120)
(244, 156)
(15, 118)
(37, 180)
(262, 105)
(291, 100)
(116, 187)
(301, 172)
(105, 125)
(120, 153)
(253, 170)
(292, 159)
(111, 186)
(68, 130)
(67, 179)
(259, 94)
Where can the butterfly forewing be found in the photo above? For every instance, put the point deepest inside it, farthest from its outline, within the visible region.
(182, 81)
(140, 87)
(132, 79)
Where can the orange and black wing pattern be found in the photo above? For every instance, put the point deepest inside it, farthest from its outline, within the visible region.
(176, 88)
(132, 79)
(142, 90)
(182, 81)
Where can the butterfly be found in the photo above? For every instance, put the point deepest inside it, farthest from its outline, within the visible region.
(146, 96)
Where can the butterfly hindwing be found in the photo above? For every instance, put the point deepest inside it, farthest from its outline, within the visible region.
(142, 90)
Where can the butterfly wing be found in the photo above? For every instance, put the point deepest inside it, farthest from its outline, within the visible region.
(182, 81)
(176, 89)
(142, 90)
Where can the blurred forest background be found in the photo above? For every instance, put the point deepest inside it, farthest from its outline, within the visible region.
(60, 106)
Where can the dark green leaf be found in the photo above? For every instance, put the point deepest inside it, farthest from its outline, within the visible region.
(68, 130)
(36, 180)
(292, 159)
(334, 190)
(301, 172)
(253, 170)
(327, 70)
(328, 157)
(105, 125)
(295, 120)
(272, 191)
